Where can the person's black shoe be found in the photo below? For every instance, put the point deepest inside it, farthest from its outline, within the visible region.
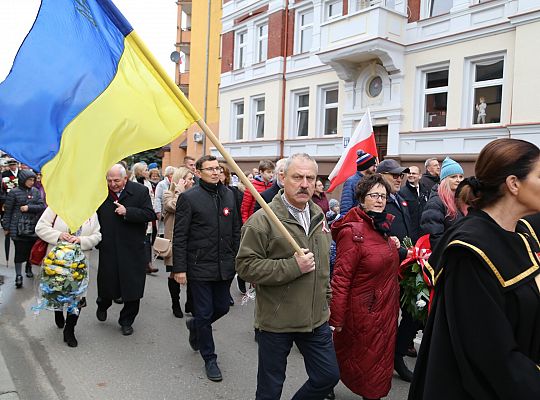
(101, 315)
(127, 330)
(59, 319)
(18, 281)
(241, 285)
(331, 395)
(401, 368)
(69, 336)
(193, 342)
(411, 352)
(177, 311)
(119, 300)
(28, 271)
(212, 371)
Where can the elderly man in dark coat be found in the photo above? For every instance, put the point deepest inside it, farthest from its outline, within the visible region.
(123, 217)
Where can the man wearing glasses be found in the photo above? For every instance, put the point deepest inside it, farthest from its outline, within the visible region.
(206, 233)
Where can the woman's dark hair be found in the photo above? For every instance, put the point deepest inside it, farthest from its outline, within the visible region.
(366, 184)
(497, 161)
(227, 174)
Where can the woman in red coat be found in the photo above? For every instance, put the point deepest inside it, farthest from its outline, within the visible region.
(365, 299)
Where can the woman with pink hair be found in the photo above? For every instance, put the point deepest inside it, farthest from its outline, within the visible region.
(442, 210)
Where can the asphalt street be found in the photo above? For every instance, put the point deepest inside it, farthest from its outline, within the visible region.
(156, 362)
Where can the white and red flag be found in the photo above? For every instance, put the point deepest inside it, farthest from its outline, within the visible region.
(362, 139)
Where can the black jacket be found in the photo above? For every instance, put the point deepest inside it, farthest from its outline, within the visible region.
(429, 181)
(206, 233)
(402, 225)
(122, 260)
(268, 195)
(416, 201)
(434, 219)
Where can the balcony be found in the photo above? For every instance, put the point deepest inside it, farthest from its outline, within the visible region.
(373, 32)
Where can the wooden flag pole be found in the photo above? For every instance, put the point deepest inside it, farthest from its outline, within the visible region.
(210, 135)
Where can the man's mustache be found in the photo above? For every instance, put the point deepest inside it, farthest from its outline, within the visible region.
(302, 191)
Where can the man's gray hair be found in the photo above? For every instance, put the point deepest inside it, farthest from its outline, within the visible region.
(304, 156)
(428, 161)
(280, 165)
(169, 170)
(120, 168)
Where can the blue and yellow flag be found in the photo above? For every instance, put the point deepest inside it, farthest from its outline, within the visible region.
(84, 93)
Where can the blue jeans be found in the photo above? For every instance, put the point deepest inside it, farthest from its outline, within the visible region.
(210, 302)
(320, 361)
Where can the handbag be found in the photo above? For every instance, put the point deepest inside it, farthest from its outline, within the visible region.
(162, 247)
(39, 249)
(26, 227)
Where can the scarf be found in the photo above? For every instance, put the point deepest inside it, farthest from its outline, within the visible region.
(381, 222)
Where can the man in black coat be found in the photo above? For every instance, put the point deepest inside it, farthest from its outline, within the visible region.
(124, 217)
(431, 176)
(205, 243)
(416, 196)
(402, 226)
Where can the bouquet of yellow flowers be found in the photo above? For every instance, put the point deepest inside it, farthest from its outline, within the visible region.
(64, 278)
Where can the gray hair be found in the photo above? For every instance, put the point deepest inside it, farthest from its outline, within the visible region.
(303, 156)
(280, 165)
(428, 161)
(120, 168)
(169, 170)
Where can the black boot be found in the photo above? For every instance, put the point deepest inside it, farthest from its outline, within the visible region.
(174, 290)
(69, 330)
(401, 368)
(59, 319)
(28, 270)
(18, 281)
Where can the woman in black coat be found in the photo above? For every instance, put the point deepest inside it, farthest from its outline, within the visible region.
(23, 204)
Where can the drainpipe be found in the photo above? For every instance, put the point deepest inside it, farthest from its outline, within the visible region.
(205, 106)
(284, 83)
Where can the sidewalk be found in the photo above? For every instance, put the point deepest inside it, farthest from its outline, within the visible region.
(7, 388)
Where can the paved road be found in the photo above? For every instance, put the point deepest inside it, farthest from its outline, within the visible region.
(156, 362)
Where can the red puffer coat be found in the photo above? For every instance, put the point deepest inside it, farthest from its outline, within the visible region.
(365, 303)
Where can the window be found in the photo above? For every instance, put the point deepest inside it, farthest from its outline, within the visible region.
(330, 105)
(238, 120)
(305, 31)
(487, 91)
(333, 9)
(435, 98)
(439, 7)
(262, 42)
(302, 113)
(258, 108)
(241, 49)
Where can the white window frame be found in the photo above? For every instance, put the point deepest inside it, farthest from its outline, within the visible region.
(257, 115)
(470, 84)
(427, 9)
(297, 109)
(329, 5)
(300, 29)
(261, 43)
(422, 92)
(240, 49)
(234, 120)
(322, 106)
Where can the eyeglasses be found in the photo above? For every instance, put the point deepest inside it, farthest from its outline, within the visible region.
(211, 169)
(395, 176)
(377, 196)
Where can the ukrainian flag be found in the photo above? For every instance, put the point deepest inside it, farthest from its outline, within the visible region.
(84, 93)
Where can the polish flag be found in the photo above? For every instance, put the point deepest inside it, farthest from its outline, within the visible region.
(362, 139)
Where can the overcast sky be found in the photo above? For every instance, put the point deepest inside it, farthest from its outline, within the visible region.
(154, 21)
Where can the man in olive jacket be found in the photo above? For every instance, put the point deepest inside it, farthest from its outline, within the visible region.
(292, 289)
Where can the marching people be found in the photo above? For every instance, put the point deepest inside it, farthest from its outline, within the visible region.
(431, 177)
(365, 165)
(482, 336)
(140, 174)
(23, 208)
(261, 182)
(365, 292)
(293, 290)
(52, 229)
(205, 243)
(401, 227)
(442, 210)
(123, 217)
(182, 180)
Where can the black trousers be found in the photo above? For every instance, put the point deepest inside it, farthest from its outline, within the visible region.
(320, 360)
(128, 312)
(210, 302)
(406, 332)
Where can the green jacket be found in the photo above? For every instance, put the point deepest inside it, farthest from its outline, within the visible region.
(287, 300)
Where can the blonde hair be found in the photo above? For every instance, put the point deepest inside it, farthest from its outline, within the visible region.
(180, 173)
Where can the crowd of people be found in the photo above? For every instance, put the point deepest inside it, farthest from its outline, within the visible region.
(337, 298)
